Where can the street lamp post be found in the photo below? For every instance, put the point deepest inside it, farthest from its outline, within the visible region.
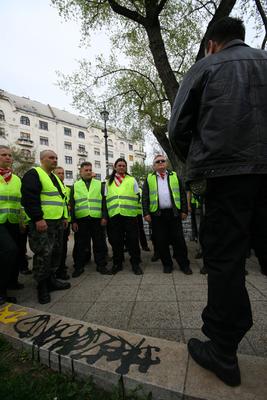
(104, 115)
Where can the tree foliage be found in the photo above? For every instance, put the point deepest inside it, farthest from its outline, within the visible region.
(140, 171)
(159, 40)
(21, 164)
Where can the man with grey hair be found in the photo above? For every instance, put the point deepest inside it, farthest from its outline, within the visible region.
(44, 200)
(165, 206)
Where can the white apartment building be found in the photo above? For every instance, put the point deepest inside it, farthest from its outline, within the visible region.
(33, 127)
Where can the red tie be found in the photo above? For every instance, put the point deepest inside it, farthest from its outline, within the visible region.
(162, 174)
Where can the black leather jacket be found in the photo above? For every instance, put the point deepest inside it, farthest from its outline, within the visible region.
(219, 118)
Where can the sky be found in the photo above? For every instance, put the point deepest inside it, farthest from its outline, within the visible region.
(36, 42)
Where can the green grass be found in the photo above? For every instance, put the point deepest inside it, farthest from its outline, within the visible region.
(24, 379)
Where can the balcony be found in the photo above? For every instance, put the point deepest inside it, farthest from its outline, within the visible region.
(25, 142)
(82, 152)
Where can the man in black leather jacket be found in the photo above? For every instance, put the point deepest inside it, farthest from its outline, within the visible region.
(219, 126)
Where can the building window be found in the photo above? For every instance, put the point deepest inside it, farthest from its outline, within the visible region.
(122, 155)
(43, 125)
(97, 164)
(2, 115)
(130, 146)
(25, 135)
(81, 147)
(67, 131)
(96, 151)
(122, 145)
(24, 120)
(68, 145)
(98, 176)
(68, 174)
(81, 135)
(68, 160)
(110, 154)
(44, 141)
(130, 157)
(25, 153)
(81, 160)
(2, 132)
(110, 143)
(96, 139)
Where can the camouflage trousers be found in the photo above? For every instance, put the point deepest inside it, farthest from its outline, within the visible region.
(47, 248)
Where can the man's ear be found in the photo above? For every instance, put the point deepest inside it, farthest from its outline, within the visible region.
(210, 48)
(213, 47)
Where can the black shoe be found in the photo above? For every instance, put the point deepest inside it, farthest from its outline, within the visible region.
(7, 299)
(137, 270)
(15, 286)
(154, 258)
(42, 291)
(25, 271)
(187, 271)
(167, 269)
(77, 273)
(203, 270)
(62, 275)
(54, 284)
(103, 270)
(116, 268)
(146, 248)
(210, 357)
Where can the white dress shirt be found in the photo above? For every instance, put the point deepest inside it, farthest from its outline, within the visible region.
(164, 191)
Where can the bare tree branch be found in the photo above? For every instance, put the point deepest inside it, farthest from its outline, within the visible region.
(223, 10)
(264, 20)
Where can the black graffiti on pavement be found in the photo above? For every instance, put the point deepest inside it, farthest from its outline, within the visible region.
(76, 340)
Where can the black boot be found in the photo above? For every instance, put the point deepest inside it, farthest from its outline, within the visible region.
(209, 356)
(137, 270)
(103, 270)
(43, 294)
(116, 268)
(54, 284)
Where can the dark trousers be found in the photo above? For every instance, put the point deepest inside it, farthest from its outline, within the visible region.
(120, 228)
(9, 251)
(47, 248)
(236, 212)
(141, 231)
(63, 268)
(167, 229)
(89, 228)
(23, 261)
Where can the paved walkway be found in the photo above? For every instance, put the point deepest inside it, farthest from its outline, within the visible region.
(161, 305)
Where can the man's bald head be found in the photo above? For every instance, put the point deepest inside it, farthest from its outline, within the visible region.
(48, 160)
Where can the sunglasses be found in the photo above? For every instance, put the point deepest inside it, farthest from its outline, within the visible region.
(160, 161)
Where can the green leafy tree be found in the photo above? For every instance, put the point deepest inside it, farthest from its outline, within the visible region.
(159, 40)
(140, 171)
(21, 163)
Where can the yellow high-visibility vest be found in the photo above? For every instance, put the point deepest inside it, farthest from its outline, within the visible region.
(122, 199)
(10, 200)
(153, 190)
(88, 202)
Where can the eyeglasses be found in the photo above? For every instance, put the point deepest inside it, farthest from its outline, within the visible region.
(160, 161)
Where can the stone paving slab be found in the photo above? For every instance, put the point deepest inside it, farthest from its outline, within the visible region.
(161, 367)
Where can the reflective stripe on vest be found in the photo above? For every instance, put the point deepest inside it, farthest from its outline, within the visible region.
(122, 199)
(88, 202)
(153, 190)
(52, 204)
(195, 201)
(10, 200)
